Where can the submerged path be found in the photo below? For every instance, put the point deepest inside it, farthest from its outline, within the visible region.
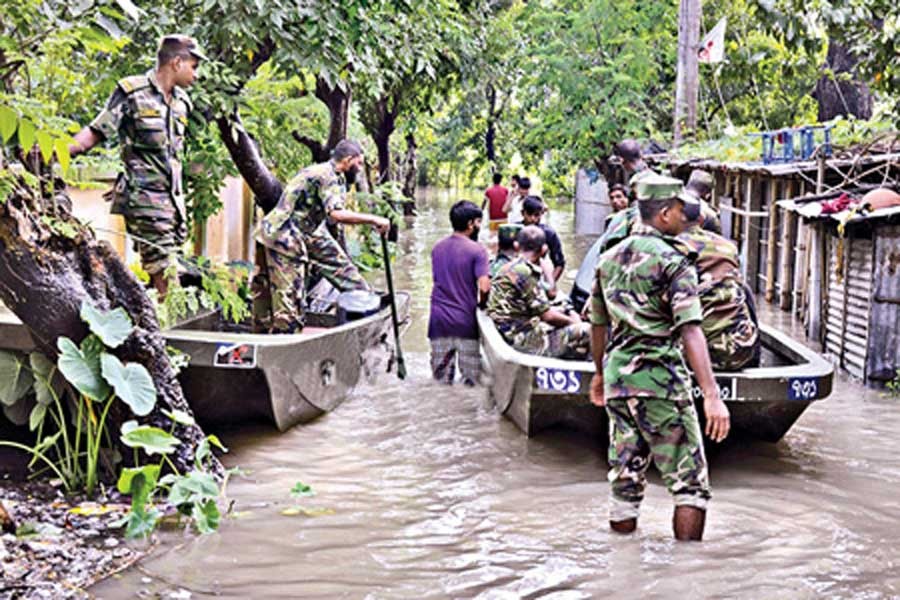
(423, 491)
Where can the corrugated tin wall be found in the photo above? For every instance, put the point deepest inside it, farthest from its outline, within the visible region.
(884, 339)
(848, 300)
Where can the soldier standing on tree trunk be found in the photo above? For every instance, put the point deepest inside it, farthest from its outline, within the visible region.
(147, 115)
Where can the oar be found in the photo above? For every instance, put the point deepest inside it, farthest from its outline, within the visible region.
(401, 365)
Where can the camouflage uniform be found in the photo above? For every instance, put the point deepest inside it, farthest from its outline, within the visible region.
(151, 133)
(296, 238)
(731, 333)
(498, 262)
(644, 290)
(516, 304)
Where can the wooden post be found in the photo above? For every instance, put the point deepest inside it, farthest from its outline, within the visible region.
(769, 196)
(788, 251)
(687, 77)
(752, 204)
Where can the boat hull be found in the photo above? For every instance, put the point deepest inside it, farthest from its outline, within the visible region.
(537, 392)
(286, 379)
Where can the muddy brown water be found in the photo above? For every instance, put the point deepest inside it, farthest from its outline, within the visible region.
(423, 491)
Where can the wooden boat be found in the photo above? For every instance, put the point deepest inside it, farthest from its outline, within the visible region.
(235, 377)
(537, 392)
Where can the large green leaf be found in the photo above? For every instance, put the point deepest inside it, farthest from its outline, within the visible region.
(37, 416)
(26, 134)
(81, 366)
(19, 412)
(127, 483)
(47, 383)
(112, 327)
(61, 146)
(132, 383)
(194, 487)
(45, 143)
(9, 120)
(151, 440)
(15, 378)
(206, 516)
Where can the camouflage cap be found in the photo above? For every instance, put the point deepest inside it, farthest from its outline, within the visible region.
(702, 181)
(508, 232)
(640, 175)
(660, 187)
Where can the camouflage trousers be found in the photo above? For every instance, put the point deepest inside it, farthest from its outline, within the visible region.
(536, 337)
(287, 277)
(730, 329)
(666, 432)
(166, 236)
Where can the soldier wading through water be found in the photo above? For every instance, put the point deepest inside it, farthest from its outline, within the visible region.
(645, 294)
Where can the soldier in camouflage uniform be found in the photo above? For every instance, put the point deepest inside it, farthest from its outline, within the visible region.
(296, 237)
(732, 334)
(506, 247)
(148, 115)
(700, 184)
(519, 306)
(645, 296)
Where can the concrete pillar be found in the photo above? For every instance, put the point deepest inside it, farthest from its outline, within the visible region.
(591, 202)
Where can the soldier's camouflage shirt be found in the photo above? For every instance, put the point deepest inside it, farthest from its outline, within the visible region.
(150, 132)
(645, 289)
(727, 324)
(619, 227)
(517, 299)
(303, 207)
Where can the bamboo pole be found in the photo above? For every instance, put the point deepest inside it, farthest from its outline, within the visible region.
(771, 243)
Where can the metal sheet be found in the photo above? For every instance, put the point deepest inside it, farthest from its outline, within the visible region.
(848, 303)
(884, 348)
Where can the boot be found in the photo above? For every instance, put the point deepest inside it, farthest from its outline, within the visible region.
(626, 526)
(688, 523)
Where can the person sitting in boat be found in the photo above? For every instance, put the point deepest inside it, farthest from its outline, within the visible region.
(729, 319)
(506, 247)
(533, 210)
(520, 308)
(296, 237)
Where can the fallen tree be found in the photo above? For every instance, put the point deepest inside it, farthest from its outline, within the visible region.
(50, 264)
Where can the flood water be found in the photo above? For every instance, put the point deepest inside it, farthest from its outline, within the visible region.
(423, 491)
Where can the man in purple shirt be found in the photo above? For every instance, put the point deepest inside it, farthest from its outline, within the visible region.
(461, 280)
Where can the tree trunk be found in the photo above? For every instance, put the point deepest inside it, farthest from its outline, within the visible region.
(688, 74)
(410, 167)
(45, 277)
(245, 154)
(337, 100)
(490, 134)
(839, 97)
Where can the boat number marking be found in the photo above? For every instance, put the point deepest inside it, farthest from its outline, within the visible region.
(235, 356)
(803, 388)
(727, 389)
(558, 380)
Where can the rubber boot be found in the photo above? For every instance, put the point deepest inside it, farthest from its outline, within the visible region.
(624, 527)
(688, 523)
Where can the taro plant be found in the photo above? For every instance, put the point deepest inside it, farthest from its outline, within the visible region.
(192, 494)
(83, 384)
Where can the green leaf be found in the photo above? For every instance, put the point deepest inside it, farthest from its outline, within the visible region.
(132, 383)
(37, 416)
(45, 143)
(81, 367)
(300, 490)
(112, 327)
(140, 524)
(62, 153)
(8, 122)
(130, 484)
(151, 440)
(26, 134)
(130, 9)
(206, 516)
(47, 383)
(194, 487)
(15, 379)
(180, 417)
